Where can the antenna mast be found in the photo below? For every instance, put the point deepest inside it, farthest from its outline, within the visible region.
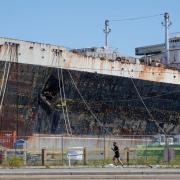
(166, 24)
(107, 30)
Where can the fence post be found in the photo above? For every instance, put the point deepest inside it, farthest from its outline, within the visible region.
(1, 156)
(85, 155)
(127, 155)
(62, 150)
(4, 156)
(166, 150)
(104, 147)
(43, 155)
(146, 151)
(25, 156)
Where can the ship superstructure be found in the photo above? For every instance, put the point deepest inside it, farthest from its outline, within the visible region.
(156, 52)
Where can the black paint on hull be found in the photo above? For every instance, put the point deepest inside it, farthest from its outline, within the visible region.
(32, 103)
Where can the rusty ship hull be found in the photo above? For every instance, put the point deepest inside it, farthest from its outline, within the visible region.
(32, 101)
(116, 104)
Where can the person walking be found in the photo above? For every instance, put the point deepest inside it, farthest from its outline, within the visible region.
(116, 158)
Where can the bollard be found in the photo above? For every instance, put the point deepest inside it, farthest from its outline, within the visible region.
(43, 155)
(85, 155)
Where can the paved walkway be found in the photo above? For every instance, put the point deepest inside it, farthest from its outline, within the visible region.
(86, 170)
(41, 173)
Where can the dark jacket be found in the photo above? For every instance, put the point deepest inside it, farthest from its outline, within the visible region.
(116, 151)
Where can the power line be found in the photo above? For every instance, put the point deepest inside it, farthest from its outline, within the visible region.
(107, 29)
(136, 18)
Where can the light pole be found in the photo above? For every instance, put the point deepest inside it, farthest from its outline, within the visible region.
(107, 30)
(166, 25)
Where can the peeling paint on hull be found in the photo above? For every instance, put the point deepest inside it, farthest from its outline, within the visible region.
(113, 99)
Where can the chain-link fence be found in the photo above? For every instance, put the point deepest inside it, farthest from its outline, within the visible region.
(93, 151)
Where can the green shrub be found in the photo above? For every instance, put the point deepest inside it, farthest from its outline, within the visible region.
(15, 161)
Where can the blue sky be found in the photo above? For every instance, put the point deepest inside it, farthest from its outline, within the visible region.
(79, 23)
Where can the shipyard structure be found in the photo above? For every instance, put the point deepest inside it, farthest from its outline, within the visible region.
(50, 89)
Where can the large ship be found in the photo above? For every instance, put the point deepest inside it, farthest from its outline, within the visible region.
(50, 89)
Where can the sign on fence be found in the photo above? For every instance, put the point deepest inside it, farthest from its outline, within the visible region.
(75, 153)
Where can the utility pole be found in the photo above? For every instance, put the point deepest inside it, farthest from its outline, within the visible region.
(107, 30)
(166, 25)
